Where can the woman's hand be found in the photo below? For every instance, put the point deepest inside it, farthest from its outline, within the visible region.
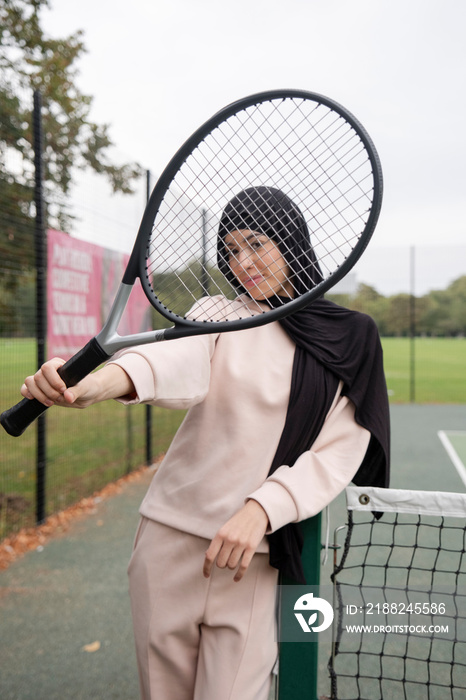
(48, 387)
(235, 543)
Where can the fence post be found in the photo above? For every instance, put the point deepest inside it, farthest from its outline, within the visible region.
(40, 249)
(204, 274)
(412, 325)
(148, 409)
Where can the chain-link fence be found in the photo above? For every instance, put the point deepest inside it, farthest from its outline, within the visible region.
(74, 453)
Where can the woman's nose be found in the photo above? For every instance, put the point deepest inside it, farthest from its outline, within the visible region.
(246, 257)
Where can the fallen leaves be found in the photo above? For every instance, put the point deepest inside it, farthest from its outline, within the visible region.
(28, 539)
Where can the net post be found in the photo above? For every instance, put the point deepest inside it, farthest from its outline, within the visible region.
(40, 249)
(298, 663)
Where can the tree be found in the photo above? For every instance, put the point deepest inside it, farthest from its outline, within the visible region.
(445, 310)
(367, 300)
(441, 312)
(30, 60)
(456, 292)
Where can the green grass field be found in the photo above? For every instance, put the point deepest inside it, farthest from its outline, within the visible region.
(439, 371)
(88, 449)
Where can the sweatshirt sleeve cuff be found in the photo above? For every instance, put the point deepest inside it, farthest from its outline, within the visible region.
(277, 503)
(141, 375)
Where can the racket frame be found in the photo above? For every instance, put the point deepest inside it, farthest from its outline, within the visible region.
(108, 341)
(136, 266)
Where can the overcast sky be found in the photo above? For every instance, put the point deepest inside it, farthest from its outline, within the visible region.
(157, 69)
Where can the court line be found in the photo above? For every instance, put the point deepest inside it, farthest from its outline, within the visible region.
(452, 453)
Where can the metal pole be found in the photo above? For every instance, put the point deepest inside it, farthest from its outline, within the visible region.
(204, 275)
(412, 326)
(148, 409)
(40, 246)
(129, 439)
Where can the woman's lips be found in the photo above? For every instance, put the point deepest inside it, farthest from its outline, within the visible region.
(252, 281)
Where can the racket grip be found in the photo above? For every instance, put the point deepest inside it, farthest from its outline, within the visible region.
(16, 419)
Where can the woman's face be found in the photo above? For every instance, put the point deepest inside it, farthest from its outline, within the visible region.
(258, 265)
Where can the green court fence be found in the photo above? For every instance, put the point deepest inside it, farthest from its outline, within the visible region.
(417, 297)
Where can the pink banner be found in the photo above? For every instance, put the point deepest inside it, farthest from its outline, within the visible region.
(82, 281)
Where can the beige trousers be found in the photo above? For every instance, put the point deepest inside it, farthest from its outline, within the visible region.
(198, 638)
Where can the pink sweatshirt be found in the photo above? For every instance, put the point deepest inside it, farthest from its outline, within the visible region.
(236, 386)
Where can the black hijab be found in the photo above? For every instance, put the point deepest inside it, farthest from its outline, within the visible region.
(332, 344)
(269, 211)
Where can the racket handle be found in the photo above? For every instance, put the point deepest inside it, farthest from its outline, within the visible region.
(16, 419)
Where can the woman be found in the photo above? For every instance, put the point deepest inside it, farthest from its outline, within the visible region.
(281, 418)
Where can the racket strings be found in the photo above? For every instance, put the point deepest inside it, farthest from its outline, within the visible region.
(322, 166)
(298, 146)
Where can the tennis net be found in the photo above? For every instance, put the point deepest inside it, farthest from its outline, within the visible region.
(400, 597)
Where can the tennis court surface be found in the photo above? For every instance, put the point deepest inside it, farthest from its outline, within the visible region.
(64, 611)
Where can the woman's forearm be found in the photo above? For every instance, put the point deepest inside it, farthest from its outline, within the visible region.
(112, 383)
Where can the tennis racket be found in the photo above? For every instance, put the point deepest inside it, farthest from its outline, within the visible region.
(300, 143)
